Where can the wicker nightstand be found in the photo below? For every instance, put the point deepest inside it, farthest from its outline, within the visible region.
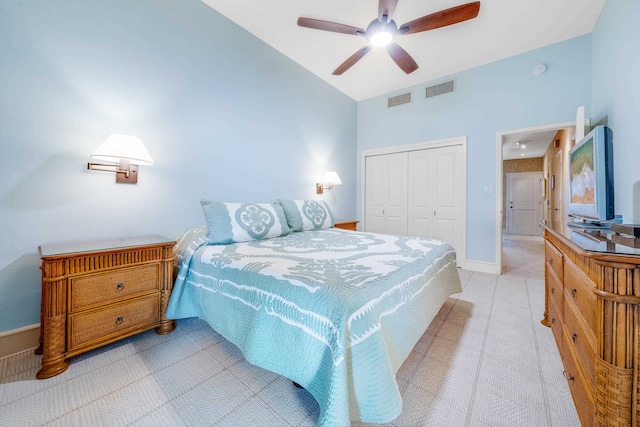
(95, 293)
(347, 225)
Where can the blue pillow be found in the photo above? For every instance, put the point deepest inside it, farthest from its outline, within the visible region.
(243, 222)
(304, 215)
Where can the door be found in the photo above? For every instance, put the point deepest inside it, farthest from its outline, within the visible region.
(524, 203)
(421, 204)
(556, 189)
(435, 192)
(386, 193)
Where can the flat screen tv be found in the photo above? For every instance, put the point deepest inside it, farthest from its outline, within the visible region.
(591, 177)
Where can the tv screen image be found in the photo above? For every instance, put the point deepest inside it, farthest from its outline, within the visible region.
(591, 197)
(583, 176)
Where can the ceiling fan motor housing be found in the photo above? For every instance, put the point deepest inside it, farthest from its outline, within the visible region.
(381, 33)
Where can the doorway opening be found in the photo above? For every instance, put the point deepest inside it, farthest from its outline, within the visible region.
(524, 143)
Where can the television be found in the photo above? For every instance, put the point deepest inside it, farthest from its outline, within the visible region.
(591, 178)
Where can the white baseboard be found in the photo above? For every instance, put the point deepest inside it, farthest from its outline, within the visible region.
(18, 340)
(481, 267)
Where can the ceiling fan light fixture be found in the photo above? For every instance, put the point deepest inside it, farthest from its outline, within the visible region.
(381, 38)
(383, 30)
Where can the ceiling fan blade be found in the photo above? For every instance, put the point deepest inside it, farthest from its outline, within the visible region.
(441, 19)
(350, 62)
(318, 24)
(386, 7)
(402, 58)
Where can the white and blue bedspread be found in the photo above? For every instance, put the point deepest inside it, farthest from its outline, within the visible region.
(336, 311)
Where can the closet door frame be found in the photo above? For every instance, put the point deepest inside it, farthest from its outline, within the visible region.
(462, 141)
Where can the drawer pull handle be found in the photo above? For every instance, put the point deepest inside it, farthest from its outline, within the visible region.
(567, 375)
(119, 320)
(550, 261)
(574, 338)
(553, 290)
(553, 320)
(573, 292)
(119, 287)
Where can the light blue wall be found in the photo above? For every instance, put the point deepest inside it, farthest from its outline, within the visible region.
(616, 96)
(495, 97)
(223, 115)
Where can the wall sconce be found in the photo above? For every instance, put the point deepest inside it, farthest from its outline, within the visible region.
(329, 179)
(124, 150)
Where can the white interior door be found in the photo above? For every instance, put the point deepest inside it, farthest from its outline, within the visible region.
(375, 194)
(449, 194)
(524, 203)
(386, 193)
(435, 194)
(421, 210)
(396, 210)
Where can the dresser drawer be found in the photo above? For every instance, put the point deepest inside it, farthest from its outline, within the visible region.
(119, 284)
(555, 315)
(579, 289)
(553, 259)
(581, 390)
(112, 321)
(556, 292)
(583, 342)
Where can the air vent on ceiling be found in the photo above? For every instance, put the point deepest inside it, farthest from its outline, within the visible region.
(440, 89)
(394, 101)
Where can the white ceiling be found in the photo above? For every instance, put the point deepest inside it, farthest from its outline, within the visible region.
(526, 144)
(503, 28)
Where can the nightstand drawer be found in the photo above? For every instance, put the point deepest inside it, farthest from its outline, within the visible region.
(113, 321)
(113, 286)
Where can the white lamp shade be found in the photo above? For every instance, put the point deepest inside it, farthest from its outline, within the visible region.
(118, 146)
(331, 178)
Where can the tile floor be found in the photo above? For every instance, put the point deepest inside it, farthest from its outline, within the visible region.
(485, 361)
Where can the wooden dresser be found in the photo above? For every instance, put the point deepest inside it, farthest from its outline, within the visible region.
(95, 293)
(592, 305)
(347, 225)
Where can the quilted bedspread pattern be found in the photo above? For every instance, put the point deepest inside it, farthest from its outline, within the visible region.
(336, 311)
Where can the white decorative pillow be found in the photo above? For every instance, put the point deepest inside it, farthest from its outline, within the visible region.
(243, 222)
(303, 215)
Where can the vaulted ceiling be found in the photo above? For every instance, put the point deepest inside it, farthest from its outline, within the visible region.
(502, 28)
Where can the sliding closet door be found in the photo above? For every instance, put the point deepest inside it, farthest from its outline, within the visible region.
(435, 193)
(386, 193)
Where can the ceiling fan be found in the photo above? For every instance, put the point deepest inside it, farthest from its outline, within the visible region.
(382, 31)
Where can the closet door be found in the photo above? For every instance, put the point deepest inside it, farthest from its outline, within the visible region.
(435, 193)
(386, 193)
(421, 211)
(449, 194)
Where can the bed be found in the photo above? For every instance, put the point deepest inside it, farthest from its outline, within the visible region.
(335, 311)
